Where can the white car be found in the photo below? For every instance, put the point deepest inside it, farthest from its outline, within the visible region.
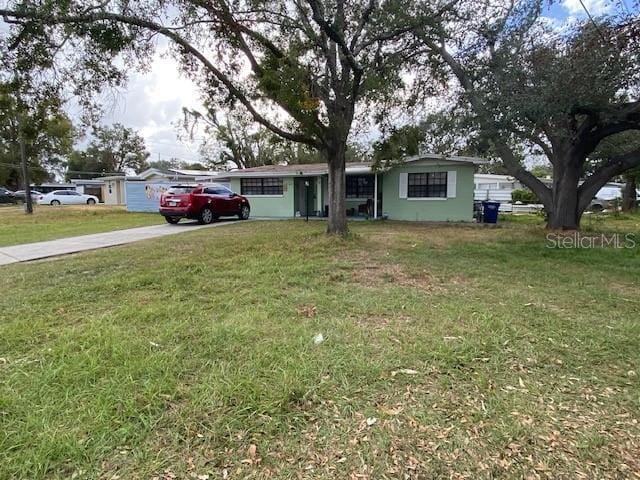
(67, 197)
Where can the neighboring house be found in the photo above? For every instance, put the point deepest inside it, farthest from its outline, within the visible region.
(50, 187)
(90, 187)
(421, 188)
(496, 188)
(142, 193)
(116, 189)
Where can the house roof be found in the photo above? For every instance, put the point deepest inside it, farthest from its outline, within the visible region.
(492, 176)
(177, 173)
(304, 169)
(314, 169)
(445, 158)
(85, 181)
(171, 174)
(196, 173)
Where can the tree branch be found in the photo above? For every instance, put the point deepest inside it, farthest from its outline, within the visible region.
(234, 91)
(614, 166)
(318, 17)
(602, 124)
(509, 159)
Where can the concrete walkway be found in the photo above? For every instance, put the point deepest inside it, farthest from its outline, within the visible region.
(64, 246)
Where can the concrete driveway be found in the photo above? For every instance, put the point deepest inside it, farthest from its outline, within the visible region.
(64, 246)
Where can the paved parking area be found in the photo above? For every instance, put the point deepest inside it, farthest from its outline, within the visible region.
(65, 246)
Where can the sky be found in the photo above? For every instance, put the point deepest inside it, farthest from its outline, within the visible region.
(152, 102)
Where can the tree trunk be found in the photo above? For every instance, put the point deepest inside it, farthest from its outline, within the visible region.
(565, 212)
(336, 159)
(25, 172)
(629, 195)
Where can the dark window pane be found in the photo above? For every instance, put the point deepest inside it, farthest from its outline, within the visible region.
(427, 185)
(261, 186)
(360, 186)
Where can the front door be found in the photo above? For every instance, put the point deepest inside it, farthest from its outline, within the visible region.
(305, 196)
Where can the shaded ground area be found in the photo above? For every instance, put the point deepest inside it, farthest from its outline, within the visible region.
(448, 352)
(50, 223)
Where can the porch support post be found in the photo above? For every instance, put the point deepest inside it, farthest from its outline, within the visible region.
(319, 194)
(375, 196)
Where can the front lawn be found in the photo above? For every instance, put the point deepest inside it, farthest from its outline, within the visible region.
(51, 223)
(447, 352)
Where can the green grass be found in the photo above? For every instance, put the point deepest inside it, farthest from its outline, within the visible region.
(50, 223)
(175, 357)
(591, 222)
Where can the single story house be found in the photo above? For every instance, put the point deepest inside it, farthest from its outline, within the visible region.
(52, 187)
(114, 189)
(90, 187)
(142, 193)
(421, 188)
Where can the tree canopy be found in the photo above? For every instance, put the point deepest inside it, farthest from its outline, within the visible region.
(113, 149)
(560, 93)
(47, 131)
(300, 69)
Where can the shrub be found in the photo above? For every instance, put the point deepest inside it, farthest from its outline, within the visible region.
(524, 196)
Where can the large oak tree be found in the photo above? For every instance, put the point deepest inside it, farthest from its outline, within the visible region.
(561, 92)
(301, 68)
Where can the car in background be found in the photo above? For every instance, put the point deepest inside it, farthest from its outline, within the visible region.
(607, 198)
(6, 196)
(204, 203)
(67, 197)
(19, 195)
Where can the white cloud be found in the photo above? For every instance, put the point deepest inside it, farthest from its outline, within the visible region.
(595, 7)
(152, 103)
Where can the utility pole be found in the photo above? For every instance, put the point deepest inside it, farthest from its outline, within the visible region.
(28, 205)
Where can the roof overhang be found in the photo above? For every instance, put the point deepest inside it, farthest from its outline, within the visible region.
(351, 169)
(445, 158)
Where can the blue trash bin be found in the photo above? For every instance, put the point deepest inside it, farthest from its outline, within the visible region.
(490, 212)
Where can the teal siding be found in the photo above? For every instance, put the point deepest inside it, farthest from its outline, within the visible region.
(455, 209)
(276, 206)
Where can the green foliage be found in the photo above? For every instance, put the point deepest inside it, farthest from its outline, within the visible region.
(524, 196)
(402, 142)
(113, 149)
(236, 141)
(542, 171)
(47, 130)
(446, 133)
(612, 146)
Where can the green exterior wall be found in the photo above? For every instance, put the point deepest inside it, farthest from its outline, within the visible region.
(270, 206)
(455, 209)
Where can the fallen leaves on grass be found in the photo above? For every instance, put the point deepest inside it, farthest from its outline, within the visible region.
(308, 311)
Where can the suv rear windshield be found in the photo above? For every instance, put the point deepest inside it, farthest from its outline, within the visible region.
(180, 190)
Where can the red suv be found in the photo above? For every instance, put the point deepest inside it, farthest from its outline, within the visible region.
(204, 203)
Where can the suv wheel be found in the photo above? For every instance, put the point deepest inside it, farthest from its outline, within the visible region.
(206, 216)
(244, 212)
(172, 220)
